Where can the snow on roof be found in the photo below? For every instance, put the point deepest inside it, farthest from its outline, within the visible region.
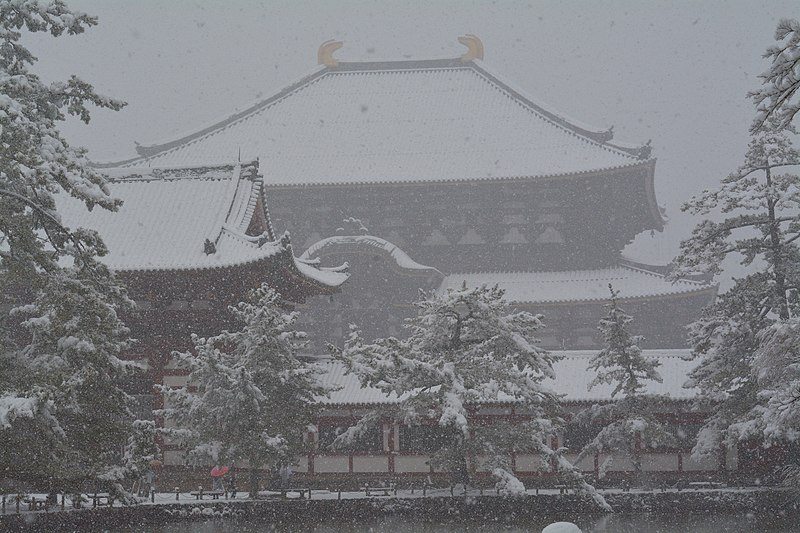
(651, 247)
(572, 380)
(168, 214)
(434, 120)
(341, 243)
(576, 285)
(346, 388)
(334, 276)
(573, 376)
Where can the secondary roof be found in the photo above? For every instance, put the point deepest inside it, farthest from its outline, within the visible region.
(577, 285)
(187, 218)
(572, 380)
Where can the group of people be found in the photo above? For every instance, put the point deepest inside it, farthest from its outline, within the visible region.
(279, 479)
(224, 483)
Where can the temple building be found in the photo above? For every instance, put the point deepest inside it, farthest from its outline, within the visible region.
(454, 167)
(415, 174)
(188, 243)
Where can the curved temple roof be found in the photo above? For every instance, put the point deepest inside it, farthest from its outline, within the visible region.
(399, 121)
(571, 371)
(578, 285)
(187, 218)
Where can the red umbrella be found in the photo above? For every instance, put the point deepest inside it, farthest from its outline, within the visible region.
(219, 471)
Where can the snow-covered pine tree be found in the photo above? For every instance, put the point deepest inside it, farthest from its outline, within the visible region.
(465, 349)
(745, 370)
(142, 451)
(249, 399)
(621, 362)
(629, 423)
(63, 416)
(778, 100)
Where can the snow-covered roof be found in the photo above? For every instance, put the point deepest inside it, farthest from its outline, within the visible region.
(399, 121)
(573, 376)
(577, 285)
(571, 371)
(343, 243)
(170, 217)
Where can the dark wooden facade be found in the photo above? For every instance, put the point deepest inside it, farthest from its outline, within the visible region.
(559, 223)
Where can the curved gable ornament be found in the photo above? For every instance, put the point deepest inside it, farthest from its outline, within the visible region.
(474, 47)
(325, 52)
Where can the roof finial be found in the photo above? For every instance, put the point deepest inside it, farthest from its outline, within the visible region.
(325, 52)
(474, 45)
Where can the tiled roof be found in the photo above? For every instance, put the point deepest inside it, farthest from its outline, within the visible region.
(168, 214)
(397, 122)
(572, 380)
(577, 285)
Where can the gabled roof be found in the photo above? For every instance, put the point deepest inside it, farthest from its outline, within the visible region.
(400, 121)
(571, 371)
(578, 285)
(187, 218)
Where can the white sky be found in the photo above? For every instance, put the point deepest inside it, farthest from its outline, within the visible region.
(673, 71)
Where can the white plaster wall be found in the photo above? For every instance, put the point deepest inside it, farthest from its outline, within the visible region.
(690, 464)
(412, 463)
(621, 463)
(480, 463)
(586, 464)
(530, 463)
(660, 462)
(331, 463)
(370, 463)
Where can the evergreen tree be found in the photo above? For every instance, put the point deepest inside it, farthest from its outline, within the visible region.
(63, 415)
(628, 424)
(621, 362)
(142, 453)
(747, 341)
(760, 223)
(249, 398)
(778, 99)
(467, 349)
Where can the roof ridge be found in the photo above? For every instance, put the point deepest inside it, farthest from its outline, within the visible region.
(221, 217)
(146, 151)
(168, 173)
(599, 138)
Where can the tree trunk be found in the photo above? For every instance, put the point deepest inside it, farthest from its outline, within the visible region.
(776, 247)
(254, 481)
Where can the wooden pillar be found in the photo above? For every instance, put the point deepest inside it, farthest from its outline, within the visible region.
(314, 441)
(390, 447)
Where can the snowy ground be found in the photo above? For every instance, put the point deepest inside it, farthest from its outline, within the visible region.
(186, 498)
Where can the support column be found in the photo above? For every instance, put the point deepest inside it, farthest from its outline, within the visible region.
(391, 449)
